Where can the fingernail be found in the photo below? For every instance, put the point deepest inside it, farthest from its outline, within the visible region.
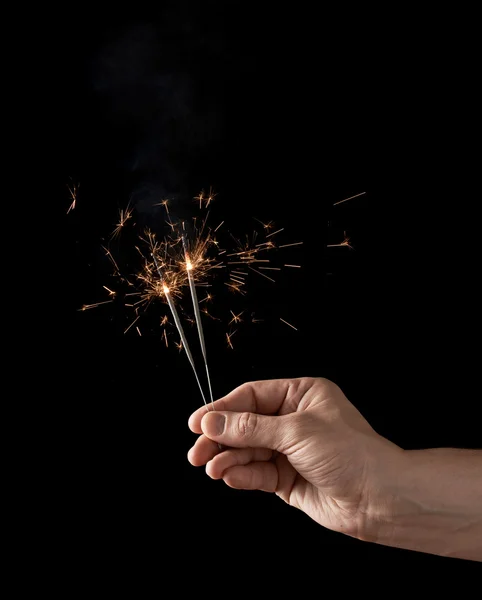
(214, 423)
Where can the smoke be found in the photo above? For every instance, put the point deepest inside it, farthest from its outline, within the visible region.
(157, 91)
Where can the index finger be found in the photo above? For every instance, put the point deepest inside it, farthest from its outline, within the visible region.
(263, 397)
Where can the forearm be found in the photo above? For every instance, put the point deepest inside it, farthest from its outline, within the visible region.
(430, 501)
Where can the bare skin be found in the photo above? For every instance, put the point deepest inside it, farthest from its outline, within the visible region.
(303, 440)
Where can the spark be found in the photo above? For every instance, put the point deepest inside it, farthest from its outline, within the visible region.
(243, 273)
(208, 298)
(124, 216)
(275, 232)
(238, 281)
(218, 226)
(138, 331)
(345, 242)
(267, 226)
(271, 268)
(294, 244)
(207, 199)
(136, 319)
(210, 197)
(111, 292)
(164, 320)
(292, 326)
(165, 338)
(350, 198)
(208, 314)
(228, 339)
(108, 253)
(178, 346)
(259, 272)
(165, 204)
(235, 288)
(73, 190)
(200, 198)
(295, 266)
(95, 305)
(236, 318)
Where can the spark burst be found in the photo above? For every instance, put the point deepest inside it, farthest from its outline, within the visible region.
(190, 256)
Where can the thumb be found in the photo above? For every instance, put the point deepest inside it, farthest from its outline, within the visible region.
(242, 430)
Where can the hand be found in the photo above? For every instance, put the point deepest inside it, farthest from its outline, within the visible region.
(303, 440)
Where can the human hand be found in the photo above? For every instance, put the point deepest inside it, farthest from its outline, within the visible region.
(303, 440)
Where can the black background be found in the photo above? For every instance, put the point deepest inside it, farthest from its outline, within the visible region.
(284, 114)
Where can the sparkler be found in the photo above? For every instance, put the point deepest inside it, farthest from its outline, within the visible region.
(177, 321)
(197, 314)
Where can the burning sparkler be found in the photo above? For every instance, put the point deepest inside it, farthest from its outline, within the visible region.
(191, 256)
(192, 287)
(177, 321)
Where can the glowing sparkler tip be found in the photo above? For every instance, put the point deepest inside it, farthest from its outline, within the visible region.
(165, 289)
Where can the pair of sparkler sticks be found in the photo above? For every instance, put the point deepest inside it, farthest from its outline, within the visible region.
(177, 321)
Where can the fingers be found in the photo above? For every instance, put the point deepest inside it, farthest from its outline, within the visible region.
(203, 451)
(247, 429)
(234, 458)
(255, 476)
(264, 397)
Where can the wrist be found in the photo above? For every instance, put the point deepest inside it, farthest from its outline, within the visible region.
(427, 500)
(387, 468)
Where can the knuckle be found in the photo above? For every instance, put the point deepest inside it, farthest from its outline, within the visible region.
(246, 425)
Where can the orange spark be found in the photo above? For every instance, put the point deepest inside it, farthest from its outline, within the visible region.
(350, 198)
(95, 305)
(345, 242)
(163, 203)
(275, 232)
(228, 339)
(73, 189)
(136, 319)
(236, 318)
(289, 324)
(294, 244)
(124, 216)
(111, 292)
(259, 273)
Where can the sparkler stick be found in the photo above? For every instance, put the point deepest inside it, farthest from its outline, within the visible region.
(178, 325)
(197, 314)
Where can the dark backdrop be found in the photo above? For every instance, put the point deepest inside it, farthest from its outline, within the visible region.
(284, 114)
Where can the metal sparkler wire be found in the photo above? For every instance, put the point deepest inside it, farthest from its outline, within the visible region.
(197, 314)
(178, 325)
